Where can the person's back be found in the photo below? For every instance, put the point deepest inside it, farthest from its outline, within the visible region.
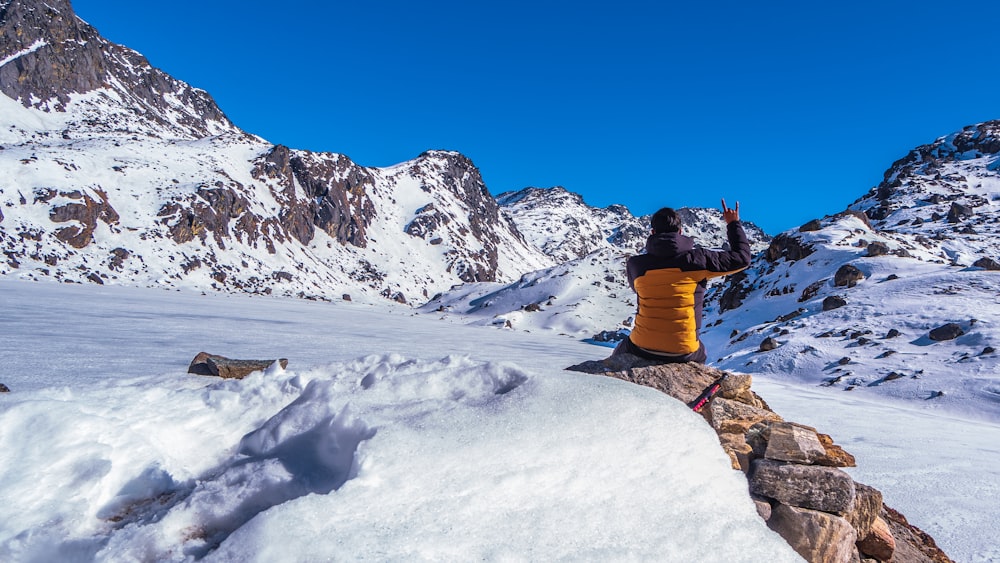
(670, 281)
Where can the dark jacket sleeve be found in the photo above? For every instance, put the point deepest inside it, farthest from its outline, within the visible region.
(631, 271)
(734, 259)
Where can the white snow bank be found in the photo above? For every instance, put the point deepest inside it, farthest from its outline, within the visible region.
(383, 456)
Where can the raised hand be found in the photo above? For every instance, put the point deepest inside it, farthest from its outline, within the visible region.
(730, 215)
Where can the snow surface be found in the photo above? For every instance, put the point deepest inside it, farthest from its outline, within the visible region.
(390, 436)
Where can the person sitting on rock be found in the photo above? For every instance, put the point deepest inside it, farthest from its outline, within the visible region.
(670, 281)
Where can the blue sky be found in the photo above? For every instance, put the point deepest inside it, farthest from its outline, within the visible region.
(793, 108)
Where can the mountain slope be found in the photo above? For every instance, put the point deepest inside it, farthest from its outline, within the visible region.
(114, 172)
(851, 300)
(55, 62)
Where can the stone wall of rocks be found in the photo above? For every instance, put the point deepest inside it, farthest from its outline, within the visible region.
(793, 471)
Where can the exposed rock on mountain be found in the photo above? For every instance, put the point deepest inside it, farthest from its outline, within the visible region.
(56, 62)
(115, 172)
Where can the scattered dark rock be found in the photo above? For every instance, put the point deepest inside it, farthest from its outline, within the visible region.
(4, 388)
(789, 316)
(813, 225)
(768, 344)
(811, 291)
(958, 211)
(346, 297)
(847, 275)
(948, 331)
(788, 247)
(610, 335)
(988, 350)
(893, 375)
(843, 361)
(226, 368)
(891, 277)
(987, 264)
(532, 307)
(885, 354)
(738, 286)
(877, 249)
(893, 333)
(833, 302)
(118, 257)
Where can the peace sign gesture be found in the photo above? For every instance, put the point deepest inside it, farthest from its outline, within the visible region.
(730, 215)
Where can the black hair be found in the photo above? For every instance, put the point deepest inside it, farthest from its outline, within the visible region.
(665, 220)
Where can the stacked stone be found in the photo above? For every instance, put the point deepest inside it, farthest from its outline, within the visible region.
(794, 472)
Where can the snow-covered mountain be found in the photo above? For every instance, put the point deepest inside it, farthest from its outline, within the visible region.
(587, 294)
(114, 172)
(561, 224)
(851, 300)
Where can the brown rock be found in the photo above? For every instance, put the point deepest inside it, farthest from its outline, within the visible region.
(847, 275)
(807, 486)
(681, 381)
(4, 388)
(763, 508)
(835, 456)
(813, 225)
(913, 545)
(788, 247)
(878, 543)
(226, 368)
(948, 331)
(794, 442)
(768, 344)
(833, 302)
(739, 451)
(816, 536)
(867, 506)
(727, 415)
(987, 263)
(877, 249)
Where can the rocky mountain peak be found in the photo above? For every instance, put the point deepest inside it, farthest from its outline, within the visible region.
(50, 59)
(565, 227)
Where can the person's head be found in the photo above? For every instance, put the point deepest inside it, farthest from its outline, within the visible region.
(665, 220)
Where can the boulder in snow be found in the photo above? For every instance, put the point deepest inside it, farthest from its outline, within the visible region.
(987, 264)
(833, 302)
(948, 331)
(226, 368)
(847, 275)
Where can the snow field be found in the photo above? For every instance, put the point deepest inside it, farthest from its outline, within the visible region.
(367, 454)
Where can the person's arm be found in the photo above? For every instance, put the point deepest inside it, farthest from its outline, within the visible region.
(738, 256)
(630, 272)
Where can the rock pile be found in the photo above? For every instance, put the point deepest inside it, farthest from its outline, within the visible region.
(793, 471)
